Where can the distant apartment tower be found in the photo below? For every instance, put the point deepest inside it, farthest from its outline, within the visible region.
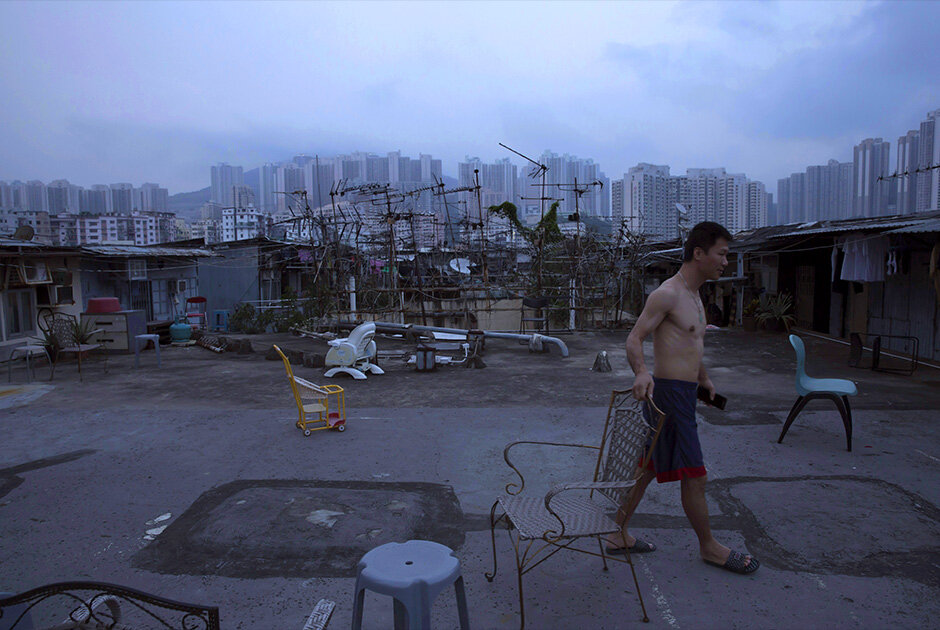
(650, 195)
(869, 192)
(152, 198)
(224, 178)
(267, 185)
(782, 216)
(122, 198)
(36, 196)
(617, 208)
(563, 171)
(57, 196)
(96, 200)
(908, 163)
(318, 180)
(928, 182)
(288, 179)
(712, 194)
(757, 205)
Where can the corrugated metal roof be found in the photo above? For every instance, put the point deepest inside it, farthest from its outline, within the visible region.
(850, 226)
(125, 251)
(6, 241)
(918, 228)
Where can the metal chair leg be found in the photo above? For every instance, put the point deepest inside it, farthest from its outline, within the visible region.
(794, 412)
(489, 576)
(600, 543)
(847, 421)
(636, 583)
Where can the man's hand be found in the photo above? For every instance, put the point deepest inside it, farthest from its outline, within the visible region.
(707, 384)
(643, 386)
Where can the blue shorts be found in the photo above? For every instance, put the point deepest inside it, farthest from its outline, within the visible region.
(678, 454)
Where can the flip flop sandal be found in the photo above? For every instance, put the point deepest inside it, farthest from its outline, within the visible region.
(640, 546)
(736, 563)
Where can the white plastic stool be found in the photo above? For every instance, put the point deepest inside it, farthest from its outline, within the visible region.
(413, 573)
(141, 340)
(26, 351)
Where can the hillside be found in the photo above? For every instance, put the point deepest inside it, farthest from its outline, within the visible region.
(186, 205)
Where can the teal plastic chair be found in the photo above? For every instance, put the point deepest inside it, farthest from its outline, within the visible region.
(837, 390)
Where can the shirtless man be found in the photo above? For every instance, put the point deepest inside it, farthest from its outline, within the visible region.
(676, 318)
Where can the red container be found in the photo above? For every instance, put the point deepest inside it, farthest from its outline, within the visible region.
(103, 305)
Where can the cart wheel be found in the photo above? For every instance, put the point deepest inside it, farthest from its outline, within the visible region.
(306, 432)
(341, 427)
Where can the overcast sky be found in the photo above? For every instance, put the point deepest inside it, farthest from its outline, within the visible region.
(136, 91)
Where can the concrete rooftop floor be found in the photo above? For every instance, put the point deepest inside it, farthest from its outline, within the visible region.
(88, 468)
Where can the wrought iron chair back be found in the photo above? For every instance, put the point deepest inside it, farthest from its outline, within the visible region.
(624, 443)
(59, 326)
(101, 605)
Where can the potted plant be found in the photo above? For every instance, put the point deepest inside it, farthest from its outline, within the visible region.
(51, 343)
(749, 316)
(82, 331)
(773, 312)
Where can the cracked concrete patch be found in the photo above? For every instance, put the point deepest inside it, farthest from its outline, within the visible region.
(265, 528)
(900, 537)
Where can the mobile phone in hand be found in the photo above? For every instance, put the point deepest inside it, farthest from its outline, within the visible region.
(718, 401)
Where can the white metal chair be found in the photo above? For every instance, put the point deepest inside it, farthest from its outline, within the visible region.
(354, 354)
(541, 526)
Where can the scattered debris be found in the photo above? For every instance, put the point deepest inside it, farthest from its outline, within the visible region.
(160, 519)
(324, 518)
(216, 344)
(320, 615)
(601, 362)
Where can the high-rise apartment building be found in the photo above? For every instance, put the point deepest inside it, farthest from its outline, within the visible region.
(782, 216)
(288, 179)
(36, 196)
(57, 196)
(122, 198)
(96, 200)
(758, 201)
(928, 182)
(563, 172)
(712, 194)
(820, 193)
(267, 185)
(869, 190)
(318, 179)
(152, 198)
(617, 207)
(907, 175)
(224, 178)
(650, 195)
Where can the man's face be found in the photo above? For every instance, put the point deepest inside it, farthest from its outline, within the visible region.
(713, 262)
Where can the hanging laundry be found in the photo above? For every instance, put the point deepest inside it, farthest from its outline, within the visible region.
(864, 258)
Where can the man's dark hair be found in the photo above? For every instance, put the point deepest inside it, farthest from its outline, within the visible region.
(704, 235)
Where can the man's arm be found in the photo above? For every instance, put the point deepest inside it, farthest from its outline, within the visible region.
(704, 381)
(658, 305)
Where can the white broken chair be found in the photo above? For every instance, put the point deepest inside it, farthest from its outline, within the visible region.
(354, 354)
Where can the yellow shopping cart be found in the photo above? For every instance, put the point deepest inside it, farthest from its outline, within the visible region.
(319, 397)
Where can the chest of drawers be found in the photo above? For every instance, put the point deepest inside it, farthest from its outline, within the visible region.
(118, 329)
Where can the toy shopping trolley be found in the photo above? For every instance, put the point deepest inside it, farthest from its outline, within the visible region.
(327, 402)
